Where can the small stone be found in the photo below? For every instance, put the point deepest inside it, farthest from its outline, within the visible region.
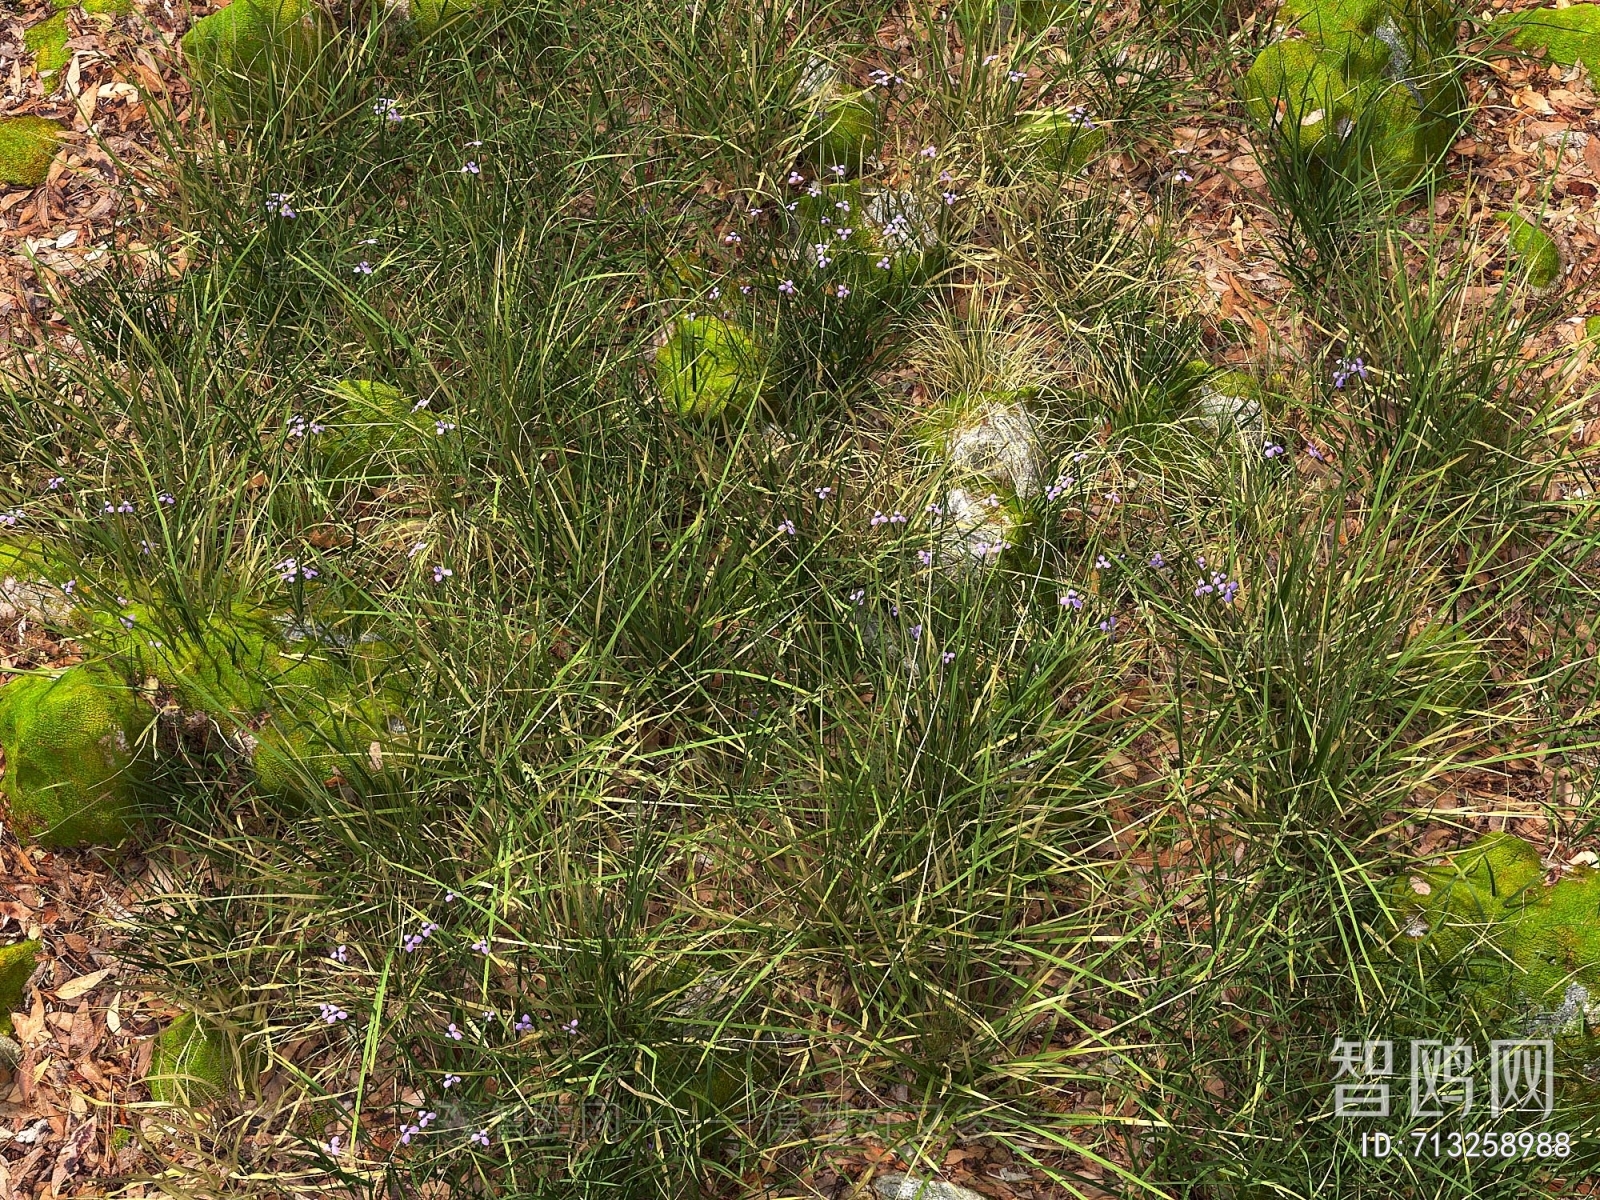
(896, 1186)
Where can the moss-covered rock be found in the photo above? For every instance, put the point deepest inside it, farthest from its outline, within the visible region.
(16, 965)
(244, 55)
(847, 132)
(47, 40)
(1059, 140)
(707, 366)
(978, 527)
(72, 775)
(1568, 35)
(1371, 86)
(301, 716)
(34, 586)
(27, 146)
(1534, 251)
(190, 1064)
(1520, 943)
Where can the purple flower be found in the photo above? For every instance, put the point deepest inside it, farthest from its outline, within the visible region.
(925, 557)
(884, 264)
(524, 1023)
(387, 108)
(1311, 449)
(824, 492)
(949, 197)
(440, 428)
(339, 954)
(452, 1032)
(426, 1119)
(331, 1013)
(1182, 176)
(929, 151)
(69, 586)
(290, 570)
(1157, 561)
(166, 498)
(731, 239)
(858, 597)
(450, 1081)
(786, 288)
(838, 169)
(331, 1146)
(1016, 76)
(796, 179)
(1347, 367)
(481, 1138)
(916, 633)
(407, 1132)
(1272, 450)
(1102, 563)
(879, 519)
(570, 1027)
(55, 482)
(936, 509)
(843, 291)
(949, 656)
(278, 202)
(481, 945)
(1072, 600)
(1109, 625)
(472, 168)
(423, 933)
(441, 573)
(787, 527)
(754, 212)
(362, 268)
(10, 519)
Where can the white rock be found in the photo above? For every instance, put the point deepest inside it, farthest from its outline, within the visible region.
(1002, 442)
(978, 529)
(1227, 410)
(896, 1186)
(36, 600)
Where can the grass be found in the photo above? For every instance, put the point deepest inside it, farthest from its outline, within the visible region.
(756, 857)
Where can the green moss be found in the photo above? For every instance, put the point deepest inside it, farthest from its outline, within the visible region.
(190, 1063)
(708, 366)
(1059, 140)
(1568, 35)
(1489, 912)
(242, 55)
(1535, 251)
(1036, 16)
(428, 15)
(48, 43)
(1378, 72)
(72, 777)
(301, 716)
(848, 133)
(16, 965)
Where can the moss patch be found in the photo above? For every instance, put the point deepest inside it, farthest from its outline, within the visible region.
(1059, 140)
(1525, 945)
(242, 54)
(16, 964)
(1535, 252)
(190, 1063)
(71, 774)
(848, 133)
(1568, 35)
(707, 367)
(1371, 82)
